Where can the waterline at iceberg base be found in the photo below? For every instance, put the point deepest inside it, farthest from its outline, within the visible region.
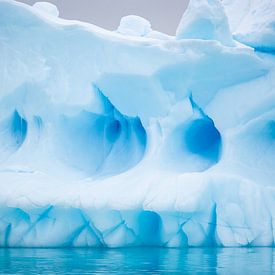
(133, 137)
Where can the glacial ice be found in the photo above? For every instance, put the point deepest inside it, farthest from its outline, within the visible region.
(206, 20)
(134, 25)
(47, 8)
(133, 137)
(254, 23)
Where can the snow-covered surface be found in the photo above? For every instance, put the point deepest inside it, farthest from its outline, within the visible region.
(205, 19)
(134, 25)
(134, 137)
(47, 8)
(253, 22)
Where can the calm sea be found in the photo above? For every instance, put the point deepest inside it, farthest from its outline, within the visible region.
(138, 261)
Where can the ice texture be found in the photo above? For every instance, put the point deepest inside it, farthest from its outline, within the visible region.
(134, 25)
(254, 23)
(134, 137)
(47, 8)
(205, 19)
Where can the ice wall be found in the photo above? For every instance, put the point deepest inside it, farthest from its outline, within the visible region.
(134, 137)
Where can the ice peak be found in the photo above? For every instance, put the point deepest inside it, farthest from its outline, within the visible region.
(205, 19)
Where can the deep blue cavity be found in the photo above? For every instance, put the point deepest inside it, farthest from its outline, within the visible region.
(113, 131)
(203, 138)
(263, 49)
(271, 129)
(140, 131)
(149, 227)
(138, 261)
(18, 128)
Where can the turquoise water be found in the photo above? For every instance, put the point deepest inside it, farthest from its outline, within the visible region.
(138, 261)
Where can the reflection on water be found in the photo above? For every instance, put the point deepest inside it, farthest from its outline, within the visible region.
(138, 261)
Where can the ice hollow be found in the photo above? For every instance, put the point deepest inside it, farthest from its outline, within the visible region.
(137, 138)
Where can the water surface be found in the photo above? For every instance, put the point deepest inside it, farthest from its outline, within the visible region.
(138, 261)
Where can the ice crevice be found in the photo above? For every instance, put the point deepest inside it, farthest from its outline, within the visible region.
(137, 138)
(137, 227)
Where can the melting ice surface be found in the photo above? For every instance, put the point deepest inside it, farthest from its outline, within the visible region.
(134, 137)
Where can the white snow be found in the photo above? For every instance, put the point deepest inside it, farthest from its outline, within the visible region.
(205, 19)
(48, 8)
(253, 22)
(134, 25)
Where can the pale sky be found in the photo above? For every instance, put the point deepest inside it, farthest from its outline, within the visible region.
(164, 15)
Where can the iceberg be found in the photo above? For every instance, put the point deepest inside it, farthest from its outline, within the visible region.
(136, 138)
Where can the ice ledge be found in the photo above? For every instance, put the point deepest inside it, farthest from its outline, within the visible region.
(196, 210)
